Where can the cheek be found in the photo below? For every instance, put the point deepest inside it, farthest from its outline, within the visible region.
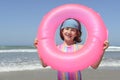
(74, 34)
(63, 33)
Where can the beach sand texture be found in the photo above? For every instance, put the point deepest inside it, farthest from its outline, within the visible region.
(49, 74)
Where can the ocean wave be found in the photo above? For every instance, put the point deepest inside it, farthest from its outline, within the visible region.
(20, 68)
(16, 67)
(27, 61)
(111, 48)
(18, 50)
(110, 63)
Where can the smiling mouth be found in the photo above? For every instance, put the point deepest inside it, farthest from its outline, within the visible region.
(68, 35)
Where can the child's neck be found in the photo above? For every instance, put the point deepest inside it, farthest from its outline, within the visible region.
(69, 43)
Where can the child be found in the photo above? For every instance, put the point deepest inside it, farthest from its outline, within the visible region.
(70, 33)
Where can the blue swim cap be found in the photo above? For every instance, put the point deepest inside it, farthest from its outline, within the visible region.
(72, 23)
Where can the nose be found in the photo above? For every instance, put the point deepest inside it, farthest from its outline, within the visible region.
(69, 31)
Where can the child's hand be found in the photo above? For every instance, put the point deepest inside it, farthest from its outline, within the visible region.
(106, 45)
(36, 42)
(95, 65)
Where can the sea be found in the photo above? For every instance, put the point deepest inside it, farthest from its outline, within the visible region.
(20, 58)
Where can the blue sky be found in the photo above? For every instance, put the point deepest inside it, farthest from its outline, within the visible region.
(20, 19)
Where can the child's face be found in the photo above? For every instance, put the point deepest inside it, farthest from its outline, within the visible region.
(69, 33)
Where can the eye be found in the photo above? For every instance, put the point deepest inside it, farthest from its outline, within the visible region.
(74, 30)
(67, 28)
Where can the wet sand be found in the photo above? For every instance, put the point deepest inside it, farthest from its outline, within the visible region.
(49, 74)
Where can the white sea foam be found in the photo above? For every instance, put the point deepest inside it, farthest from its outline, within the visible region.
(18, 50)
(20, 68)
(113, 48)
(104, 64)
(110, 63)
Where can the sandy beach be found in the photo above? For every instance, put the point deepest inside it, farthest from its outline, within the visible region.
(48, 74)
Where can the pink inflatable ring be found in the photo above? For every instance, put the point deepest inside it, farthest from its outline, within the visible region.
(81, 59)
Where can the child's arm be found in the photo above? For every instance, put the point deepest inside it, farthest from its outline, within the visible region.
(43, 64)
(95, 66)
(35, 44)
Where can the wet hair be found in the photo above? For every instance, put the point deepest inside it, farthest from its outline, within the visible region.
(77, 39)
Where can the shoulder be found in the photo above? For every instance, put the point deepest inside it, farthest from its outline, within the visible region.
(59, 45)
(80, 46)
